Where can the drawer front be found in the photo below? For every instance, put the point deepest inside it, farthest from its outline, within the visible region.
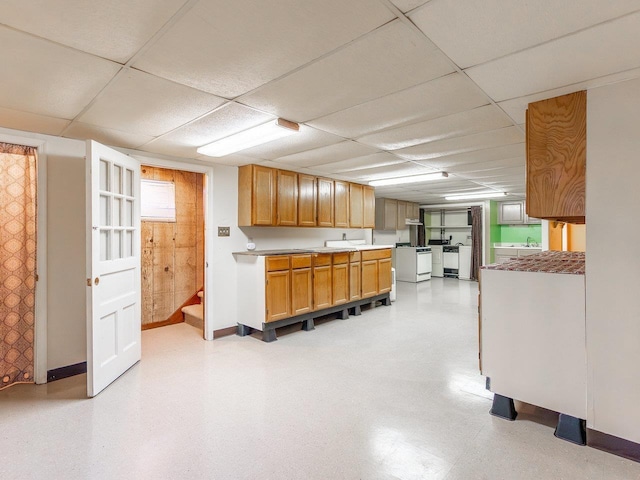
(321, 259)
(340, 258)
(376, 254)
(300, 261)
(279, 262)
(354, 256)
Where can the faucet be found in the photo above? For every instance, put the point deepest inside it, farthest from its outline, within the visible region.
(531, 242)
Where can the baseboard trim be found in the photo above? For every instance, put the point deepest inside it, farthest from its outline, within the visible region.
(612, 444)
(224, 332)
(66, 372)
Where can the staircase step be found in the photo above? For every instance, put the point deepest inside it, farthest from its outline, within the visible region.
(194, 315)
(201, 295)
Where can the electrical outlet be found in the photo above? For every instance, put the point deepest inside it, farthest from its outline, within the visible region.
(224, 231)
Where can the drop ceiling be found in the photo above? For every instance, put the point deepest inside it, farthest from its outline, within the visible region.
(382, 89)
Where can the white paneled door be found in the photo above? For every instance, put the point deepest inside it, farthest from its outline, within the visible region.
(113, 265)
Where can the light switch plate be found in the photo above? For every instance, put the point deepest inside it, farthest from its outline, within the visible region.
(224, 231)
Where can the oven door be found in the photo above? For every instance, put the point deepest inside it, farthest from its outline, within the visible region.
(423, 265)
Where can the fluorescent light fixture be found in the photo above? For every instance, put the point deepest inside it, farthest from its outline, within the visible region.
(472, 196)
(251, 137)
(413, 179)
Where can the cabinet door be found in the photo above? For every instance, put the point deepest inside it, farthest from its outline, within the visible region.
(384, 275)
(278, 296)
(263, 201)
(369, 278)
(369, 206)
(307, 200)
(301, 291)
(354, 281)
(325, 202)
(341, 204)
(356, 212)
(287, 198)
(511, 213)
(556, 157)
(340, 282)
(402, 216)
(390, 214)
(415, 212)
(321, 287)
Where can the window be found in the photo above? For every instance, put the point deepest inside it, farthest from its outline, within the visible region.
(157, 201)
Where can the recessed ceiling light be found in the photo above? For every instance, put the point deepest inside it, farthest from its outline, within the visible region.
(413, 179)
(472, 196)
(251, 137)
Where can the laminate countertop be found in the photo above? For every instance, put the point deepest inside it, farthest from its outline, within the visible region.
(301, 251)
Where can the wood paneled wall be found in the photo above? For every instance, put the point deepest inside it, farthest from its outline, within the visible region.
(173, 253)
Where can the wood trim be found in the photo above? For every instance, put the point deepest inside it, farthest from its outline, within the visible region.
(176, 317)
(225, 332)
(66, 372)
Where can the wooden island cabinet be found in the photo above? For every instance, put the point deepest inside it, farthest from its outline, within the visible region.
(282, 289)
(274, 197)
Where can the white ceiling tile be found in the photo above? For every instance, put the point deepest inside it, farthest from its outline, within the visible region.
(224, 121)
(115, 29)
(229, 48)
(234, 160)
(392, 58)
(517, 107)
(324, 155)
(598, 51)
(390, 171)
(406, 5)
(307, 138)
(141, 103)
(493, 175)
(491, 166)
(443, 96)
(477, 120)
(477, 156)
(369, 161)
(481, 30)
(48, 79)
(31, 122)
(116, 138)
(452, 146)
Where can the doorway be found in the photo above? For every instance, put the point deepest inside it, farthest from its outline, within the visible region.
(173, 247)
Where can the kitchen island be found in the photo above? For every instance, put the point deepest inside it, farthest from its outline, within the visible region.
(532, 336)
(283, 287)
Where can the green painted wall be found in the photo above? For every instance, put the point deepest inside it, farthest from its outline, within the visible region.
(494, 228)
(519, 233)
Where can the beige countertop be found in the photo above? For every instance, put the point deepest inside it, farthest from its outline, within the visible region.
(296, 251)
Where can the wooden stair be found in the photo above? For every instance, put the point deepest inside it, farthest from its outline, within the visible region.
(194, 314)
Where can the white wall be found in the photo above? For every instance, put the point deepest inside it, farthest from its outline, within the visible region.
(613, 310)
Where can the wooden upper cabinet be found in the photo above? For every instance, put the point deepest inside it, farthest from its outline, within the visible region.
(325, 202)
(413, 211)
(287, 198)
(256, 196)
(356, 210)
(341, 204)
(369, 206)
(556, 158)
(401, 219)
(307, 200)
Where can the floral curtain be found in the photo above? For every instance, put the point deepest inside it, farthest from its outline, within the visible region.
(17, 263)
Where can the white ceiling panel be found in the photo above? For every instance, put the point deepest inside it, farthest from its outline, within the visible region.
(406, 5)
(229, 48)
(477, 156)
(369, 161)
(477, 120)
(517, 107)
(370, 67)
(491, 166)
(46, 78)
(481, 30)
(115, 138)
(390, 171)
(113, 29)
(234, 160)
(443, 96)
(166, 105)
(31, 122)
(493, 175)
(452, 146)
(307, 138)
(598, 51)
(224, 121)
(324, 155)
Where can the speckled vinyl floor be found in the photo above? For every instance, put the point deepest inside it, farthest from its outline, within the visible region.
(392, 394)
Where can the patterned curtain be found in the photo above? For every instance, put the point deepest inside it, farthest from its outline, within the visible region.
(421, 231)
(17, 263)
(476, 241)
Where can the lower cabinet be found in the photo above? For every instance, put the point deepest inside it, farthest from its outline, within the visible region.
(369, 278)
(384, 275)
(340, 278)
(301, 284)
(322, 281)
(355, 270)
(278, 289)
(376, 272)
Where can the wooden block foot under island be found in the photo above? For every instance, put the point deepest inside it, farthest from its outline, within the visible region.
(299, 286)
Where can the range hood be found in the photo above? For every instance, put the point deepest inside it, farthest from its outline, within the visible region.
(412, 221)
